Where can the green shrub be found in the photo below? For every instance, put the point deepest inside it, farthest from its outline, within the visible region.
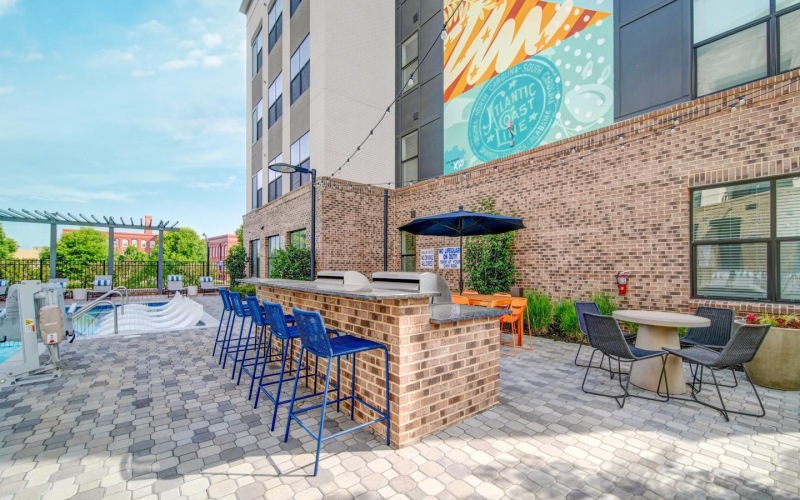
(290, 263)
(235, 263)
(540, 311)
(566, 318)
(605, 302)
(489, 260)
(244, 290)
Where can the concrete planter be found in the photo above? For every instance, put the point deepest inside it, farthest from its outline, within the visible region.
(191, 290)
(79, 293)
(777, 363)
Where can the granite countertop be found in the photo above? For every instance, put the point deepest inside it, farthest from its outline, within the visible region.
(452, 313)
(346, 291)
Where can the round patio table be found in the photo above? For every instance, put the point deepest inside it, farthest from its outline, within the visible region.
(657, 330)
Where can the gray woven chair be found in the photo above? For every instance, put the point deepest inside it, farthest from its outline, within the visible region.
(582, 308)
(714, 336)
(606, 337)
(741, 348)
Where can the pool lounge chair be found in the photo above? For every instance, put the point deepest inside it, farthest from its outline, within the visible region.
(63, 283)
(4, 289)
(102, 284)
(175, 283)
(207, 284)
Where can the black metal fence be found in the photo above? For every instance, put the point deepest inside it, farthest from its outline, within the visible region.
(130, 274)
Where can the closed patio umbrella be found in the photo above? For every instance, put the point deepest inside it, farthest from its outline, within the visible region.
(462, 223)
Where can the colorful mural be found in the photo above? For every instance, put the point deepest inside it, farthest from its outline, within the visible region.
(522, 73)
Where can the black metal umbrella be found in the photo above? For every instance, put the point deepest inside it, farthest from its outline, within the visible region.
(462, 223)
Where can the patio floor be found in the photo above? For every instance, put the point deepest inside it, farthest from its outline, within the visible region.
(155, 416)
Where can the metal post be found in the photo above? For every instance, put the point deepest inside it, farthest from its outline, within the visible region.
(313, 222)
(111, 252)
(160, 261)
(53, 238)
(385, 229)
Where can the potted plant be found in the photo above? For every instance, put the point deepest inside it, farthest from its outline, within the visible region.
(777, 362)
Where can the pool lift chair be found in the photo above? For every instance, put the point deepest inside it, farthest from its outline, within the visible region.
(35, 317)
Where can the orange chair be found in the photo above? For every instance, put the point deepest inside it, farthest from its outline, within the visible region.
(469, 292)
(518, 309)
(502, 294)
(460, 300)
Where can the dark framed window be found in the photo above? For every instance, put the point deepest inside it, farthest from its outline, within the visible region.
(258, 122)
(257, 53)
(298, 238)
(409, 158)
(299, 154)
(409, 54)
(273, 245)
(257, 184)
(408, 251)
(275, 181)
(746, 241)
(255, 258)
(293, 7)
(740, 41)
(275, 100)
(300, 69)
(275, 23)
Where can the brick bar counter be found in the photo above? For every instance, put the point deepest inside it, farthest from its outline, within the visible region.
(444, 360)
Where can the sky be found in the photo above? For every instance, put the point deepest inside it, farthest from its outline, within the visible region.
(123, 108)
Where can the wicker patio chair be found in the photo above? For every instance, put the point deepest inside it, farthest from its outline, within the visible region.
(582, 308)
(606, 337)
(714, 336)
(741, 348)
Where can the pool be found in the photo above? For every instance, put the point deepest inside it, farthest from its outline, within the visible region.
(9, 348)
(90, 324)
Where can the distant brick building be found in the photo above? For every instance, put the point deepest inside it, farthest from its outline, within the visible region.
(219, 246)
(146, 241)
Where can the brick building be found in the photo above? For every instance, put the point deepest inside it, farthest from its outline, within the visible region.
(688, 179)
(219, 246)
(145, 241)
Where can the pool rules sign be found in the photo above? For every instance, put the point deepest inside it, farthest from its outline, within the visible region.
(450, 258)
(426, 258)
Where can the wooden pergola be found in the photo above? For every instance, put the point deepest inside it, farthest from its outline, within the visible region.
(56, 219)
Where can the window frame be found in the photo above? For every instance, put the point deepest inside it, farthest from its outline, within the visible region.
(270, 239)
(257, 188)
(255, 258)
(300, 155)
(300, 69)
(404, 160)
(297, 233)
(771, 20)
(404, 255)
(404, 66)
(293, 5)
(275, 100)
(274, 180)
(257, 57)
(772, 242)
(258, 121)
(275, 24)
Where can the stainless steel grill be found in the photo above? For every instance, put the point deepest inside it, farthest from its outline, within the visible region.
(341, 278)
(419, 282)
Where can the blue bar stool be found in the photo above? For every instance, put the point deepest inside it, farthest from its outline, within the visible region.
(222, 335)
(280, 329)
(250, 365)
(314, 339)
(233, 348)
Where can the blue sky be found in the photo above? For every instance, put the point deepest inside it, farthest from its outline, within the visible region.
(123, 108)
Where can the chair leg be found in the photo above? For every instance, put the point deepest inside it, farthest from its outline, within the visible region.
(322, 416)
(722, 408)
(388, 412)
(578, 353)
(294, 394)
(280, 384)
(219, 329)
(530, 336)
(353, 390)
(263, 369)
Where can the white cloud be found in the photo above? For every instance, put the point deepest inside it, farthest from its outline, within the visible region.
(66, 194)
(212, 39)
(7, 90)
(186, 44)
(194, 128)
(177, 64)
(116, 56)
(139, 73)
(212, 62)
(31, 56)
(227, 183)
(6, 6)
(152, 26)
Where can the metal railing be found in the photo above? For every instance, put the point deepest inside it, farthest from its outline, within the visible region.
(101, 301)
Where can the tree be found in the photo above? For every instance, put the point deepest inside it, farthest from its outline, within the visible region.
(290, 263)
(182, 246)
(81, 245)
(7, 245)
(132, 254)
(489, 260)
(235, 263)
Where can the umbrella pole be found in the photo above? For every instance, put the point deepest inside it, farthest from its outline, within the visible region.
(461, 263)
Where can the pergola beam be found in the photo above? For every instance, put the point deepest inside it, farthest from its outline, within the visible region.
(57, 218)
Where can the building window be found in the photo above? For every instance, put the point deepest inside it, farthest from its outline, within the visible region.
(409, 158)
(152, 243)
(293, 7)
(275, 101)
(409, 53)
(298, 238)
(144, 244)
(273, 245)
(275, 187)
(300, 155)
(257, 184)
(408, 251)
(258, 122)
(736, 233)
(301, 69)
(735, 41)
(124, 243)
(275, 22)
(116, 243)
(255, 258)
(257, 53)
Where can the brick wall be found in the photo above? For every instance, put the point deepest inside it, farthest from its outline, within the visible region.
(619, 201)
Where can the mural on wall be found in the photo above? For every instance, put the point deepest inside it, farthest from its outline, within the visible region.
(520, 73)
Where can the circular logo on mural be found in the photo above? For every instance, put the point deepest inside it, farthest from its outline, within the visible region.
(515, 110)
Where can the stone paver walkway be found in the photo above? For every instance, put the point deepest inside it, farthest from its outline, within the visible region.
(155, 416)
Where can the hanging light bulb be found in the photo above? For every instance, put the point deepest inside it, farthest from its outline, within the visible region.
(443, 34)
(410, 81)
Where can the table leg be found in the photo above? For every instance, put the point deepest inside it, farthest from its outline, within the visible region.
(646, 374)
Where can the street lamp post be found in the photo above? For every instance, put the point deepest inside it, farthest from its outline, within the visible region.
(208, 256)
(286, 168)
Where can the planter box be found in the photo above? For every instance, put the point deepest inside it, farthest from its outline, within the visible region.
(191, 290)
(79, 294)
(777, 363)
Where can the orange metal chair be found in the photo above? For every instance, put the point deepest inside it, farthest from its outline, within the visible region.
(502, 294)
(469, 292)
(460, 300)
(518, 310)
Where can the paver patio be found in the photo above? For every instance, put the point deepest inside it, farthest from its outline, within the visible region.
(155, 416)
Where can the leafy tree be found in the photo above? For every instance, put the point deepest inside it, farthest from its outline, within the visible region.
(182, 246)
(132, 254)
(81, 245)
(291, 263)
(7, 245)
(489, 260)
(235, 263)
(240, 234)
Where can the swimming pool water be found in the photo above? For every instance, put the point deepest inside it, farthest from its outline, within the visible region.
(8, 348)
(87, 325)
